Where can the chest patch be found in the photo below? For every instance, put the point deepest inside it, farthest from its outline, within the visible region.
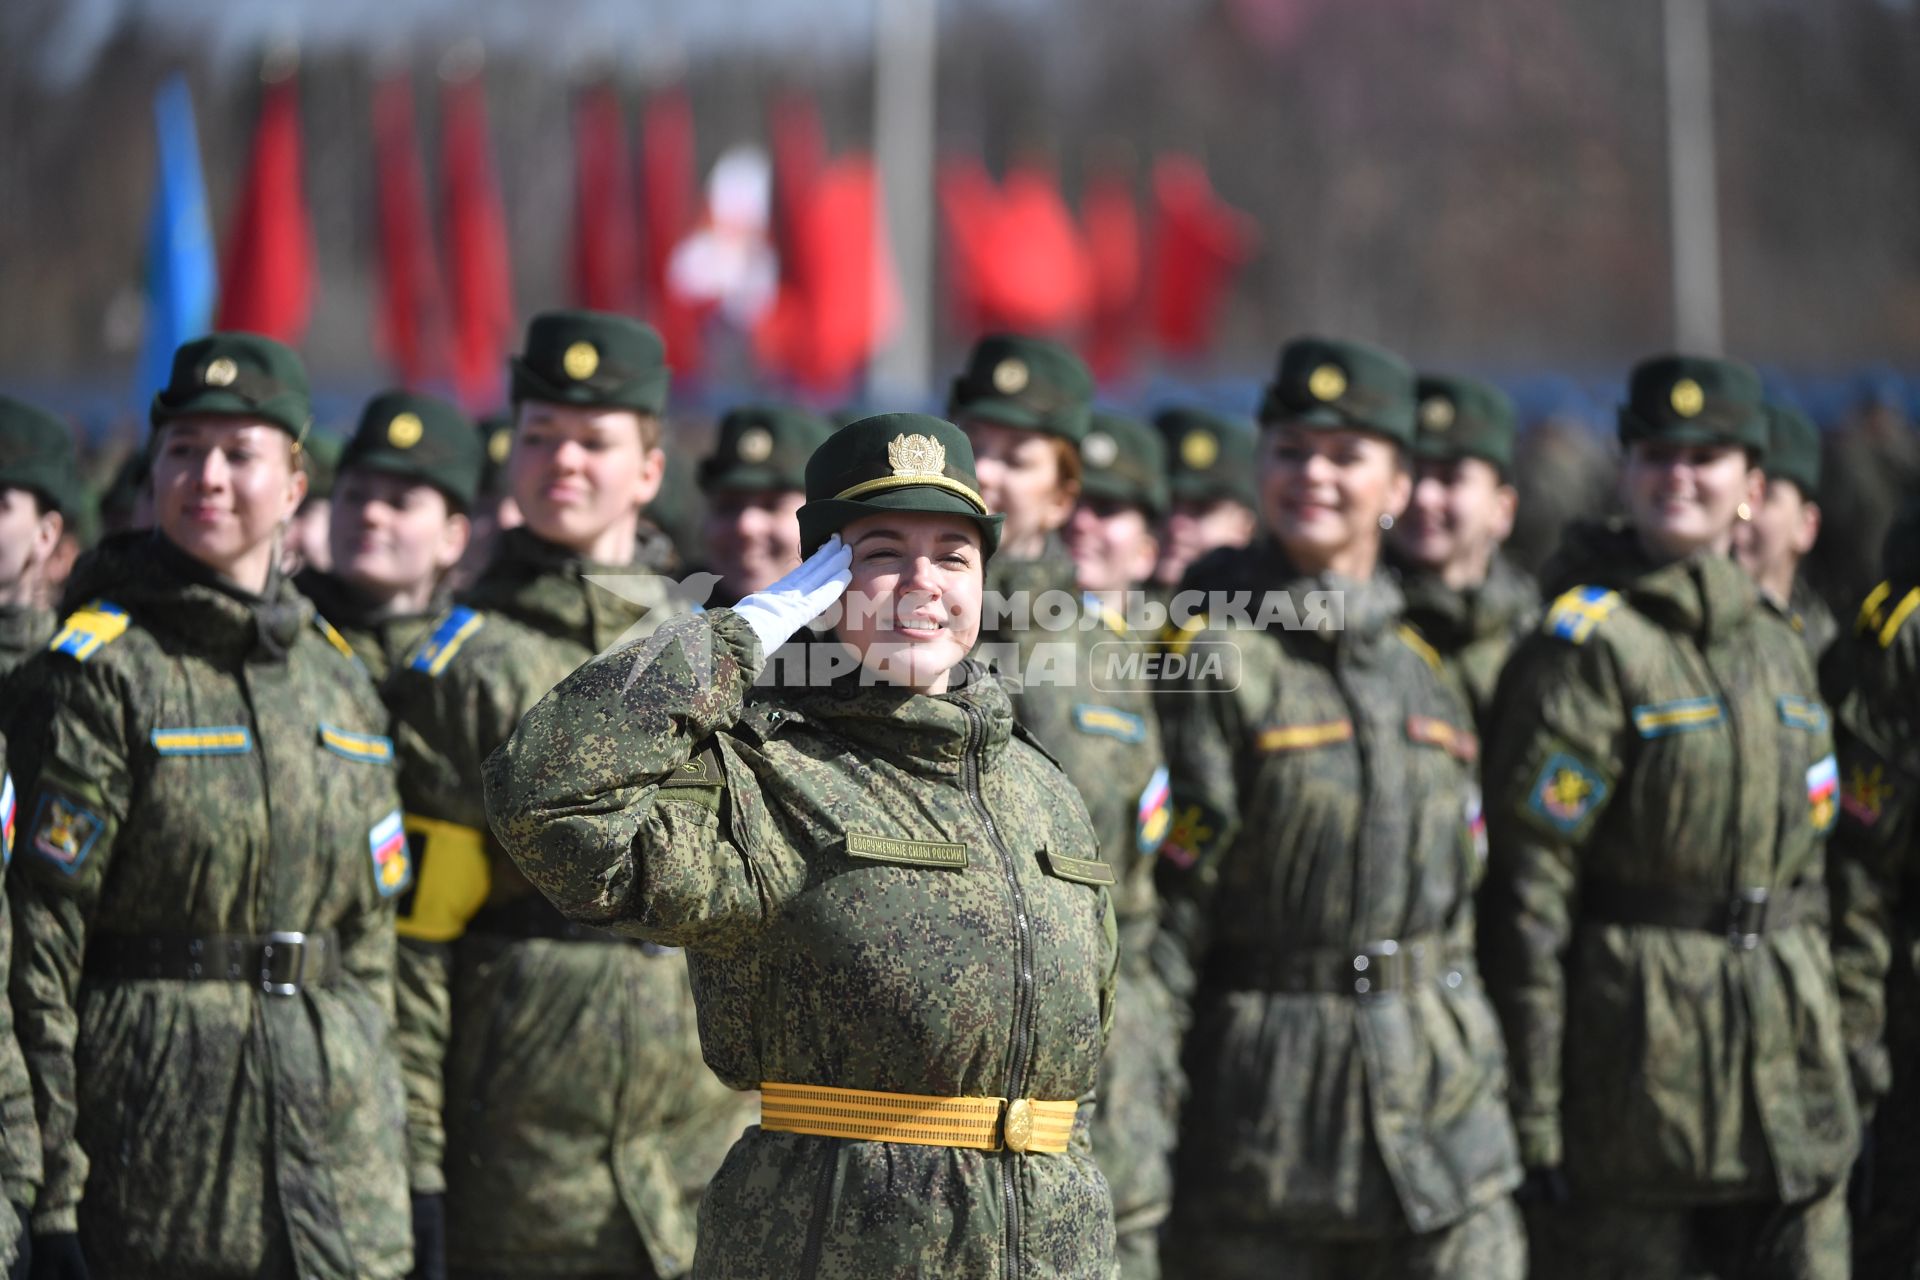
(1109, 722)
(207, 740)
(912, 853)
(1299, 737)
(1658, 719)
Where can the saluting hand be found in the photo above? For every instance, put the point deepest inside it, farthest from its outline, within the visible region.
(800, 597)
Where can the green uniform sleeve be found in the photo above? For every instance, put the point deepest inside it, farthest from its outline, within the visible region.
(1552, 768)
(73, 804)
(615, 800)
(1202, 726)
(1870, 857)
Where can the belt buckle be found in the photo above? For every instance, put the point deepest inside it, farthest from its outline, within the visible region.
(1747, 917)
(278, 944)
(1375, 967)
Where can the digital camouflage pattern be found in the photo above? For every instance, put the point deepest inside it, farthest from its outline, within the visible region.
(647, 797)
(555, 1087)
(1609, 1240)
(24, 631)
(1105, 735)
(1662, 736)
(219, 767)
(1474, 630)
(19, 1132)
(1488, 1242)
(1871, 677)
(382, 643)
(1320, 789)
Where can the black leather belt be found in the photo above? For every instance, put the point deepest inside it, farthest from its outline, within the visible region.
(1742, 916)
(1389, 964)
(281, 964)
(532, 916)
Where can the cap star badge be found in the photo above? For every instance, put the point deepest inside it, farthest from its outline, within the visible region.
(916, 455)
(1010, 376)
(1436, 413)
(1687, 398)
(404, 431)
(1099, 449)
(221, 372)
(756, 445)
(1198, 449)
(1328, 382)
(580, 361)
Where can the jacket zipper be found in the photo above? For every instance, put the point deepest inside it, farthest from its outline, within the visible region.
(1023, 989)
(822, 1202)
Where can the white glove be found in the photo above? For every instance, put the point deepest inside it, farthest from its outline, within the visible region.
(800, 597)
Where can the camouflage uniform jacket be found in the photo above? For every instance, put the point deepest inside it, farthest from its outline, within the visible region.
(19, 1133)
(1810, 619)
(1659, 743)
(24, 631)
(382, 643)
(551, 1083)
(196, 762)
(1474, 630)
(1320, 791)
(878, 891)
(1874, 864)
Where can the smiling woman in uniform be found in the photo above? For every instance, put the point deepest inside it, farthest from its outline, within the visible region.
(891, 900)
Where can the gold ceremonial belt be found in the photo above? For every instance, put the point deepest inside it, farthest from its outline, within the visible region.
(982, 1124)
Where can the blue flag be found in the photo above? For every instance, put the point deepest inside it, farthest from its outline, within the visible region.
(181, 275)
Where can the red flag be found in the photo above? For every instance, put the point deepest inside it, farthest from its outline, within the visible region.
(671, 200)
(606, 227)
(412, 317)
(1112, 228)
(824, 327)
(1019, 260)
(1200, 242)
(480, 272)
(268, 272)
(799, 154)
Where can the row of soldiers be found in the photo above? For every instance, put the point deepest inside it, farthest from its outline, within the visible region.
(234, 802)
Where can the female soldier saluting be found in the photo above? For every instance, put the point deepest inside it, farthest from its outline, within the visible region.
(891, 899)
(1656, 904)
(211, 847)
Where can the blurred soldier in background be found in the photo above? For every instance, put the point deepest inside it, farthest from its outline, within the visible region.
(1123, 497)
(1467, 599)
(1872, 679)
(128, 501)
(1870, 462)
(398, 524)
(1210, 490)
(494, 510)
(558, 1066)
(1660, 786)
(1783, 526)
(39, 486)
(306, 545)
(1347, 1108)
(1563, 472)
(1025, 405)
(754, 481)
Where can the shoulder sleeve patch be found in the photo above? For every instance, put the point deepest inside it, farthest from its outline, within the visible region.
(1153, 814)
(1566, 794)
(64, 832)
(438, 649)
(1412, 638)
(392, 858)
(7, 806)
(1574, 614)
(88, 630)
(702, 771)
(334, 638)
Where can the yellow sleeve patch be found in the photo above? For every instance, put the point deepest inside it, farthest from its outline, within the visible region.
(88, 630)
(451, 879)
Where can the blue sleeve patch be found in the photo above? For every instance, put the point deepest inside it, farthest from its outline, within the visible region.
(1658, 719)
(368, 748)
(64, 833)
(1802, 713)
(203, 740)
(88, 630)
(392, 855)
(454, 631)
(1111, 722)
(1565, 792)
(1574, 614)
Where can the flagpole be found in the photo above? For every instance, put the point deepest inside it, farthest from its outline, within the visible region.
(1691, 184)
(906, 34)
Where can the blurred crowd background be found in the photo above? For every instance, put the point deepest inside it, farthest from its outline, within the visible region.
(829, 200)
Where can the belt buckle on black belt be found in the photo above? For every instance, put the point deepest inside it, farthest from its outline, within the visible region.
(1747, 917)
(1376, 967)
(280, 950)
